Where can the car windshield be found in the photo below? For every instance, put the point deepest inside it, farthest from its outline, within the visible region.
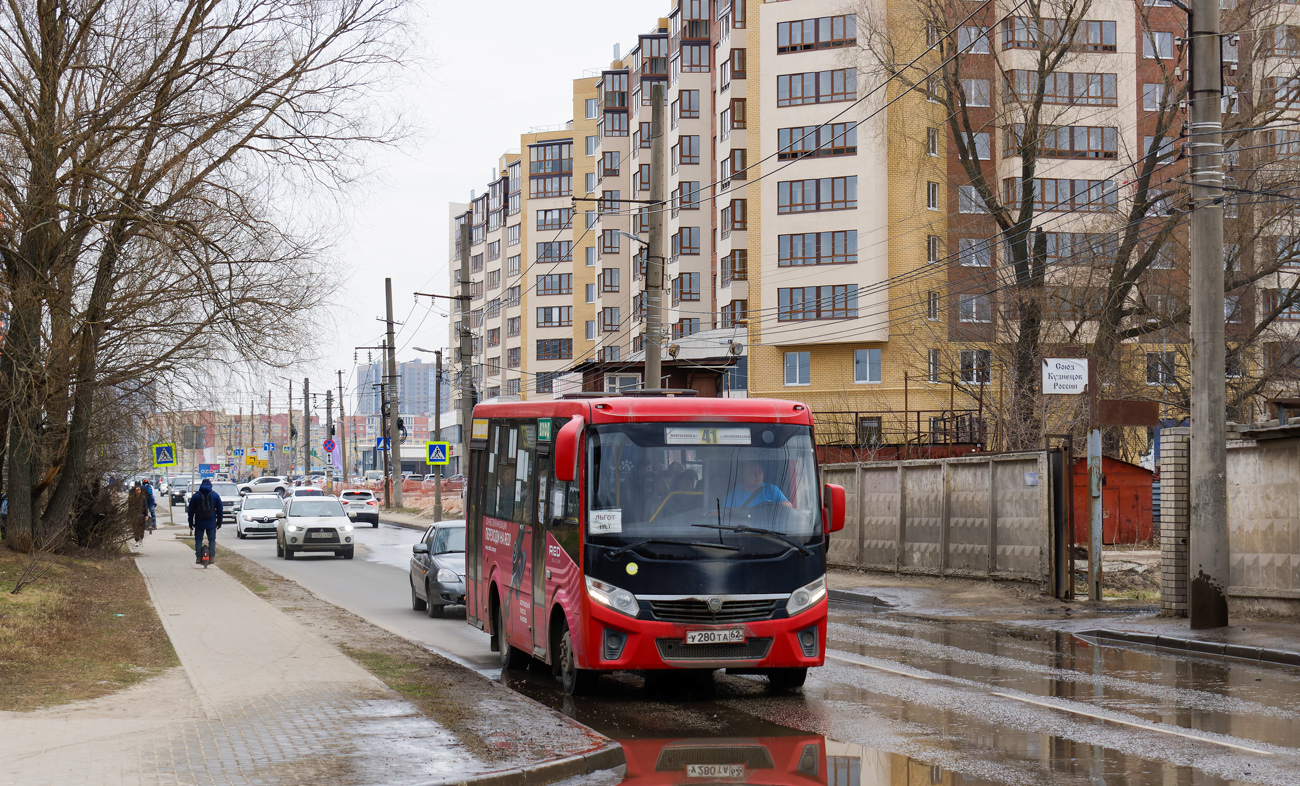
(325, 508)
(693, 482)
(262, 504)
(448, 540)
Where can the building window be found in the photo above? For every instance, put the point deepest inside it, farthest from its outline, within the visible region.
(976, 92)
(554, 349)
(818, 248)
(735, 313)
(685, 327)
(824, 141)
(550, 170)
(687, 196)
(827, 32)
(686, 152)
(591, 330)
(512, 357)
(815, 195)
(1064, 87)
(593, 108)
(932, 195)
(1161, 367)
(738, 118)
(591, 256)
(609, 241)
(512, 326)
(546, 381)
(494, 337)
(512, 265)
(933, 249)
(608, 165)
(932, 306)
(1285, 302)
(735, 266)
(609, 279)
(1067, 141)
(934, 366)
(1157, 45)
(977, 366)
(555, 284)
(798, 368)
(969, 200)
(689, 104)
(609, 321)
(798, 304)
(975, 251)
(734, 217)
(591, 293)
(561, 218)
(686, 287)
(932, 142)
(555, 316)
(686, 242)
(593, 143)
(512, 295)
(973, 40)
(734, 165)
(1066, 194)
(866, 365)
(512, 387)
(557, 251)
(974, 308)
(493, 279)
(738, 64)
(817, 87)
(476, 263)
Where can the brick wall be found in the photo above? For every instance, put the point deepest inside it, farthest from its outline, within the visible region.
(1174, 518)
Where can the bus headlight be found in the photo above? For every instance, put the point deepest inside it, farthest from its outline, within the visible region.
(619, 600)
(806, 597)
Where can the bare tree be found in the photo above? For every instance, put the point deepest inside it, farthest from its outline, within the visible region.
(153, 150)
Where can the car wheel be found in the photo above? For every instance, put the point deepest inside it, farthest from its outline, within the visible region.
(347, 553)
(417, 603)
(288, 552)
(239, 533)
(576, 681)
(279, 547)
(434, 609)
(374, 524)
(784, 680)
(512, 658)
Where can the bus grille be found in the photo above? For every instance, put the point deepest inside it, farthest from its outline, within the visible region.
(697, 611)
(676, 758)
(678, 649)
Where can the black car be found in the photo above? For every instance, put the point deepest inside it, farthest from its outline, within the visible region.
(438, 568)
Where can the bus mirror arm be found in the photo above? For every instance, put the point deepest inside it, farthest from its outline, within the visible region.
(833, 497)
(568, 444)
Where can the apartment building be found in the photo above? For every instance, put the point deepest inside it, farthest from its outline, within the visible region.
(826, 216)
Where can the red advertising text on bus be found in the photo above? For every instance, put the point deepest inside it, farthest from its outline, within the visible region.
(649, 532)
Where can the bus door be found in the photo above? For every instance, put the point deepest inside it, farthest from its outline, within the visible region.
(540, 570)
(473, 497)
(513, 509)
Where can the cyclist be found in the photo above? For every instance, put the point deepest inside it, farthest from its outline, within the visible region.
(204, 513)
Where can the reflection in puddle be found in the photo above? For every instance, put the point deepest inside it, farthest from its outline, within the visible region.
(796, 760)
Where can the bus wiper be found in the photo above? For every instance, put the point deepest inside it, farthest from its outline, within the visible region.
(758, 531)
(622, 549)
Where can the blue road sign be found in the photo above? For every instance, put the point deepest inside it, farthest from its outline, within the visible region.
(268, 446)
(382, 443)
(164, 455)
(437, 453)
(239, 451)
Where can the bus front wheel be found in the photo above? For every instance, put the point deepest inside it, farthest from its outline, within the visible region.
(784, 680)
(576, 681)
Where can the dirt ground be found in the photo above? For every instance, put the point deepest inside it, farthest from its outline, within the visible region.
(514, 727)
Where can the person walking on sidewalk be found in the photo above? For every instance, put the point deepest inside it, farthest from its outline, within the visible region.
(204, 513)
(138, 509)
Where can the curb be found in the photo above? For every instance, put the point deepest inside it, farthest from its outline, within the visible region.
(604, 758)
(405, 525)
(857, 598)
(1196, 646)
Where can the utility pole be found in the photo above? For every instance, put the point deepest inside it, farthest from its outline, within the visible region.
(394, 407)
(239, 440)
(305, 436)
(655, 251)
(271, 464)
(388, 465)
(288, 419)
(437, 433)
(343, 437)
(466, 352)
(1208, 525)
(329, 434)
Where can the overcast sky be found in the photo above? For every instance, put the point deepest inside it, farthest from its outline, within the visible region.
(494, 69)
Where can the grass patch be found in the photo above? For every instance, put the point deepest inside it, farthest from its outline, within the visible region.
(402, 675)
(84, 630)
(239, 573)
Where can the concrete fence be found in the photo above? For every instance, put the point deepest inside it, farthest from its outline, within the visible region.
(985, 516)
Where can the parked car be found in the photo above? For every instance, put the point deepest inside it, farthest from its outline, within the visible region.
(373, 475)
(267, 484)
(313, 524)
(258, 515)
(438, 568)
(361, 505)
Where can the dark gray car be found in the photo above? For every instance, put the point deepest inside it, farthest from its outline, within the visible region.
(438, 568)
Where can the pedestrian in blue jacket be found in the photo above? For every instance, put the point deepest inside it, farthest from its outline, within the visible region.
(204, 513)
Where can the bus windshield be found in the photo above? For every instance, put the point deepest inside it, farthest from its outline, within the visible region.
(712, 482)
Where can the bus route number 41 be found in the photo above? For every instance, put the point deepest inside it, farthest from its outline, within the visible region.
(728, 636)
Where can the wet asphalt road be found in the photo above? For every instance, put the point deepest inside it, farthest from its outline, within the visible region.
(899, 701)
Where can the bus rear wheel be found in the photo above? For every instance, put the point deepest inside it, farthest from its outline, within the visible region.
(785, 680)
(576, 681)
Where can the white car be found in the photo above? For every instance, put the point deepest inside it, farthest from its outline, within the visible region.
(314, 524)
(258, 515)
(268, 484)
(307, 491)
(361, 505)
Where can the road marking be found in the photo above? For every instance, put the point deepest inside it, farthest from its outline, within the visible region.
(879, 668)
(1148, 727)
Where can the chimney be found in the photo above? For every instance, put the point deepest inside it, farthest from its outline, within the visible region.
(617, 50)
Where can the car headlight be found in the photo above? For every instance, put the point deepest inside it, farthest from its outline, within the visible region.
(248, 517)
(346, 527)
(619, 600)
(447, 576)
(806, 597)
(291, 527)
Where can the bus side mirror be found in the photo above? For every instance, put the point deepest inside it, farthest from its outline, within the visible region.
(834, 502)
(568, 443)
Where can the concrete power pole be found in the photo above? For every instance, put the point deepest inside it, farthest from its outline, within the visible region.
(1208, 525)
(293, 446)
(466, 352)
(394, 408)
(305, 434)
(343, 437)
(271, 464)
(437, 434)
(654, 274)
(329, 434)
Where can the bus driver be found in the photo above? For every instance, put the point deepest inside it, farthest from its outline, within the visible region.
(752, 491)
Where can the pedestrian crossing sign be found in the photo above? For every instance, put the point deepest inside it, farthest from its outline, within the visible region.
(164, 455)
(437, 453)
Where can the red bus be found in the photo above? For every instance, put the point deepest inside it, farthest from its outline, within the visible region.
(649, 531)
(773, 761)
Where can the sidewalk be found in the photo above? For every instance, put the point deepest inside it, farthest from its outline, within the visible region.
(258, 699)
